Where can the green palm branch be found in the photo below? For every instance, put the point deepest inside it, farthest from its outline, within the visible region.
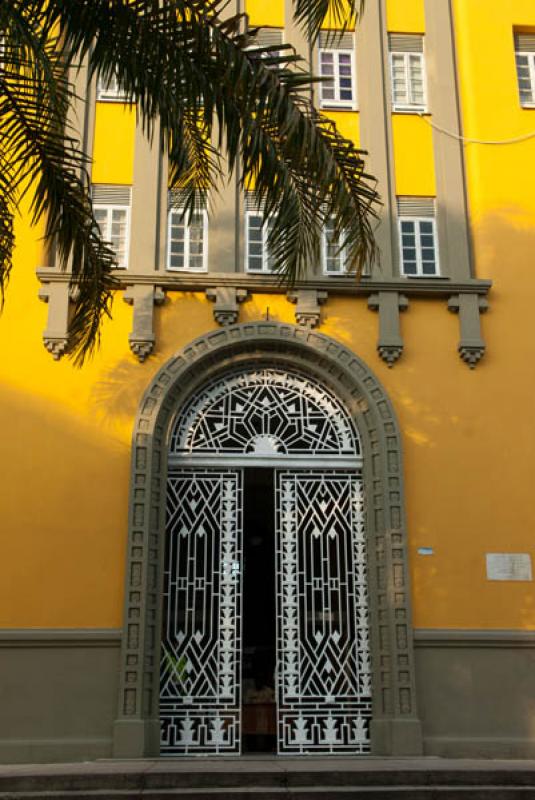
(215, 94)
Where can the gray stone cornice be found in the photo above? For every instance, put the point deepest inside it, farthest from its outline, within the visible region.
(431, 287)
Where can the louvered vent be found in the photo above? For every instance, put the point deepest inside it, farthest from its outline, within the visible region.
(102, 194)
(267, 37)
(416, 206)
(405, 43)
(251, 203)
(525, 42)
(333, 40)
(175, 199)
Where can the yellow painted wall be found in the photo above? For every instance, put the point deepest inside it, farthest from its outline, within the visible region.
(405, 16)
(413, 155)
(113, 152)
(468, 435)
(262, 13)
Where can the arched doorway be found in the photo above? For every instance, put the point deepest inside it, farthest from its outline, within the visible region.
(394, 728)
(265, 642)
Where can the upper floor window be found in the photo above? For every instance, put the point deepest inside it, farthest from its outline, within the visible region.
(111, 206)
(257, 256)
(337, 68)
(417, 237)
(525, 68)
(407, 72)
(110, 91)
(187, 240)
(334, 260)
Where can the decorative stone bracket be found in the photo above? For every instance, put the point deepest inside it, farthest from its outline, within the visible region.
(390, 342)
(469, 307)
(143, 298)
(56, 334)
(307, 306)
(226, 299)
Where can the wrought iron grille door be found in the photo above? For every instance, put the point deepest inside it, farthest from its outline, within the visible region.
(200, 704)
(323, 662)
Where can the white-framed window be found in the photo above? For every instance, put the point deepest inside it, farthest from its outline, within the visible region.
(110, 91)
(111, 206)
(187, 240)
(407, 73)
(337, 68)
(525, 68)
(257, 256)
(334, 260)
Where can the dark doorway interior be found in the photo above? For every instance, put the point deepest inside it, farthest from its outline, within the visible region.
(259, 627)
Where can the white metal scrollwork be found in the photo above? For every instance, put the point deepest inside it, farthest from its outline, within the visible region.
(323, 676)
(200, 656)
(265, 412)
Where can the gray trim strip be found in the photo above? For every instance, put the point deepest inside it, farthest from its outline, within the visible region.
(60, 637)
(478, 637)
(441, 286)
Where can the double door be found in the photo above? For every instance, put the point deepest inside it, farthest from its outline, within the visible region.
(321, 676)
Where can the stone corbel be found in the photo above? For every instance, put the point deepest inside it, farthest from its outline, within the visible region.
(390, 342)
(226, 301)
(56, 334)
(471, 345)
(307, 306)
(143, 298)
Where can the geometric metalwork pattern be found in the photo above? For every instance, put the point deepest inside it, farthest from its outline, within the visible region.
(200, 670)
(265, 412)
(323, 654)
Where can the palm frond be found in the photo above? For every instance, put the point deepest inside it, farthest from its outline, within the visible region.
(214, 93)
(45, 158)
(311, 14)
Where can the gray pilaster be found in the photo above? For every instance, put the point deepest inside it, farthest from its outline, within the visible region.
(80, 125)
(308, 304)
(143, 298)
(226, 301)
(390, 342)
(443, 89)
(376, 127)
(471, 344)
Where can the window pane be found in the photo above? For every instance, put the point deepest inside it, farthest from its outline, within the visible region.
(426, 227)
(429, 268)
(409, 267)
(255, 263)
(407, 227)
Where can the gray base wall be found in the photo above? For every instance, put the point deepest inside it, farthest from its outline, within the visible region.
(59, 689)
(476, 692)
(58, 694)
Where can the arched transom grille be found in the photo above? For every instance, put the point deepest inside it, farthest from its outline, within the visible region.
(267, 412)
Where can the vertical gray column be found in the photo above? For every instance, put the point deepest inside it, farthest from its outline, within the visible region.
(80, 125)
(226, 220)
(145, 213)
(145, 240)
(452, 220)
(376, 126)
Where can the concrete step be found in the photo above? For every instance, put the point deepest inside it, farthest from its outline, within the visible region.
(272, 779)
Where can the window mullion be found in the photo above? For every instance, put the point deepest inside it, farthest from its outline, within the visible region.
(419, 264)
(408, 87)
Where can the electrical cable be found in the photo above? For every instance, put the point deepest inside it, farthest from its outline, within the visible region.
(466, 140)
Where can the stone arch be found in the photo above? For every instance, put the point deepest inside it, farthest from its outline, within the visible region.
(395, 728)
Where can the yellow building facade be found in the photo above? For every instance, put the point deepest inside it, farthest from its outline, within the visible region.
(427, 359)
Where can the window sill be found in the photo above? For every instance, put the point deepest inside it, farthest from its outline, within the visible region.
(338, 108)
(414, 110)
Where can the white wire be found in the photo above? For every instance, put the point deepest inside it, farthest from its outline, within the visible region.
(466, 140)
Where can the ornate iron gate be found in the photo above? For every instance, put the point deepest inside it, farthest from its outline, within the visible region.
(200, 705)
(323, 663)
